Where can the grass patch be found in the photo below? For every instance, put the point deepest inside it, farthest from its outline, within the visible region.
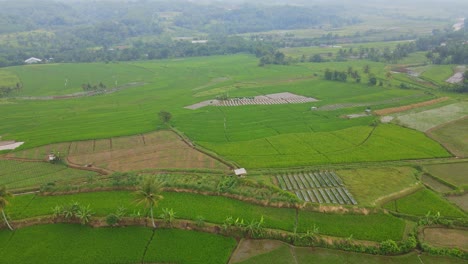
(453, 173)
(421, 202)
(369, 184)
(453, 136)
(216, 209)
(17, 175)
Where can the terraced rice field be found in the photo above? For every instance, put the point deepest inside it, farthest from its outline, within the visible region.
(316, 187)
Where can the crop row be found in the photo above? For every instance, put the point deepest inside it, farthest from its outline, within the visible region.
(307, 180)
(239, 102)
(317, 187)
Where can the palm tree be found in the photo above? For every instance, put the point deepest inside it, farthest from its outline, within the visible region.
(84, 213)
(4, 196)
(149, 194)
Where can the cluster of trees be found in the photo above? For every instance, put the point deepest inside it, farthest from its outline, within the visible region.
(277, 57)
(257, 18)
(342, 76)
(7, 90)
(88, 87)
(335, 75)
(445, 47)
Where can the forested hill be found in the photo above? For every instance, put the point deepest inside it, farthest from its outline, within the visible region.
(83, 31)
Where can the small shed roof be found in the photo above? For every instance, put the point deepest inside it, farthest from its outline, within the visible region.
(240, 171)
(32, 60)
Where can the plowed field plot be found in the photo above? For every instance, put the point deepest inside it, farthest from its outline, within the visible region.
(269, 99)
(151, 151)
(316, 187)
(158, 150)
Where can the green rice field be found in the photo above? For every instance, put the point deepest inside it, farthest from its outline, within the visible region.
(216, 209)
(253, 136)
(62, 243)
(17, 175)
(422, 202)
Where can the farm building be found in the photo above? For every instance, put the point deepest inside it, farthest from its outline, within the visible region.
(240, 172)
(32, 60)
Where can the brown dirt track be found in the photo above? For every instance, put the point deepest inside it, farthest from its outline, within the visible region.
(388, 111)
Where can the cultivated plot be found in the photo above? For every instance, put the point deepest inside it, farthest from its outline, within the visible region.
(316, 187)
(158, 150)
(423, 121)
(269, 99)
(453, 136)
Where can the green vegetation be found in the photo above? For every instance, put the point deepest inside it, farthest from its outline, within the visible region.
(453, 137)
(47, 244)
(62, 79)
(344, 146)
(17, 175)
(369, 184)
(453, 173)
(422, 202)
(216, 209)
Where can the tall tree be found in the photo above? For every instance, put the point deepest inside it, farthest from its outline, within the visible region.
(4, 196)
(165, 116)
(149, 194)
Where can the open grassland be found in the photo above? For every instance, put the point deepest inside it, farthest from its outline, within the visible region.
(437, 74)
(428, 119)
(63, 243)
(369, 185)
(67, 78)
(355, 144)
(157, 150)
(453, 173)
(8, 79)
(376, 227)
(422, 202)
(18, 175)
(265, 251)
(133, 111)
(446, 238)
(454, 136)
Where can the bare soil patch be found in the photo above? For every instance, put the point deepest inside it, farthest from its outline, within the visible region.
(456, 78)
(269, 99)
(332, 107)
(9, 145)
(249, 248)
(159, 150)
(460, 200)
(444, 237)
(392, 110)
